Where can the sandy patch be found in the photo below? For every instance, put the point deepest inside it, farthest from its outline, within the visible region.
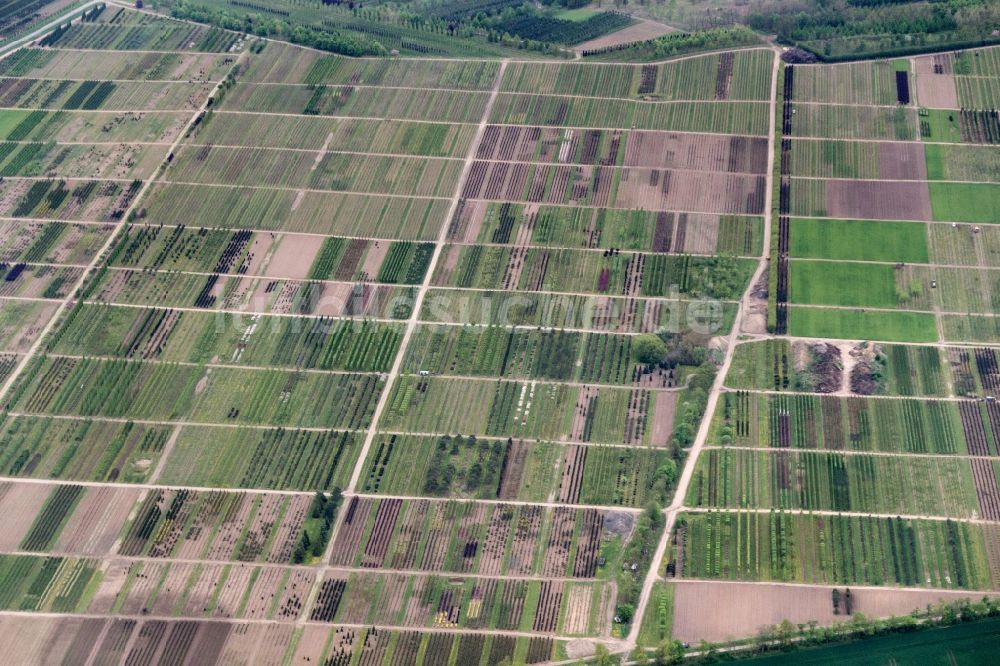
(901, 161)
(725, 611)
(639, 32)
(579, 648)
(293, 256)
(663, 418)
(260, 253)
(373, 260)
(935, 84)
(97, 521)
(878, 201)
(19, 504)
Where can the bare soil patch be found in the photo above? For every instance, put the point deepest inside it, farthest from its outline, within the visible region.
(878, 200)
(693, 191)
(663, 418)
(19, 504)
(724, 611)
(706, 152)
(639, 32)
(97, 521)
(901, 161)
(293, 256)
(373, 260)
(935, 84)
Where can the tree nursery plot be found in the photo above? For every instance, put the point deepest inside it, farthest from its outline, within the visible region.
(834, 549)
(781, 421)
(325, 353)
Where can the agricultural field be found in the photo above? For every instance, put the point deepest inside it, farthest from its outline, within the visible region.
(853, 441)
(316, 359)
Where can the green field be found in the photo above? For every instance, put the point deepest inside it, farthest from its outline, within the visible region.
(965, 202)
(858, 324)
(847, 284)
(940, 125)
(860, 240)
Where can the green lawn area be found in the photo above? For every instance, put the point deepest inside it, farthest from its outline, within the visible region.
(9, 120)
(863, 240)
(581, 14)
(934, 155)
(943, 125)
(965, 202)
(861, 325)
(972, 643)
(844, 283)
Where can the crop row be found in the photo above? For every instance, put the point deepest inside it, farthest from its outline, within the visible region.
(92, 95)
(689, 79)
(161, 35)
(486, 539)
(499, 352)
(347, 101)
(515, 409)
(834, 550)
(600, 313)
(830, 481)
(571, 226)
(744, 118)
(52, 584)
(86, 450)
(398, 137)
(87, 387)
(350, 214)
(833, 423)
(542, 607)
(579, 271)
(528, 471)
(216, 525)
(416, 176)
(271, 459)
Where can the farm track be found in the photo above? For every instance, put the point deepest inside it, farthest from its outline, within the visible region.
(320, 371)
(831, 512)
(334, 569)
(671, 512)
(852, 452)
(273, 622)
(396, 372)
(411, 326)
(310, 493)
(929, 398)
(349, 318)
(500, 124)
(101, 253)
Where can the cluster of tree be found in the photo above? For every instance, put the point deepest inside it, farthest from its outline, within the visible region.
(484, 463)
(838, 29)
(692, 404)
(251, 22)
(320, 522)
(679, 43)
(636, 560)
(539, 26)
